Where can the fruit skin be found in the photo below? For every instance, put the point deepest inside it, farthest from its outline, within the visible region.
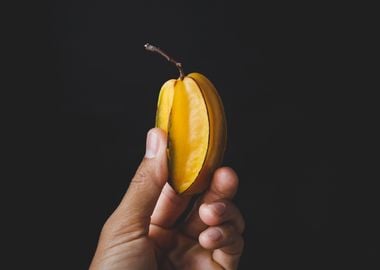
(191, 111)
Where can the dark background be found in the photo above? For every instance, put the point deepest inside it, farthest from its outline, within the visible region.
(280, 69)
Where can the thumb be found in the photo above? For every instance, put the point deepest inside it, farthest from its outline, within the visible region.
(138, 203)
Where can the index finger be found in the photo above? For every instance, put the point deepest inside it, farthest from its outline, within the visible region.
(169, 207)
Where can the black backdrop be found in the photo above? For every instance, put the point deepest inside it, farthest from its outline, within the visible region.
(278, 68)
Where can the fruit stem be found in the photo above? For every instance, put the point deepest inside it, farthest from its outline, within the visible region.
(152, 48)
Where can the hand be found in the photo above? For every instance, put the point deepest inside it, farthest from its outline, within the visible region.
(143, 233)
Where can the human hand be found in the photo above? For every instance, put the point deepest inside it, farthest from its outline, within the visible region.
(143, 232)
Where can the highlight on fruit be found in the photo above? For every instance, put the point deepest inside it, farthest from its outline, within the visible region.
(190, 111)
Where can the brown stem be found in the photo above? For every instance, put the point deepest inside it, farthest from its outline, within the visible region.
(152, 48)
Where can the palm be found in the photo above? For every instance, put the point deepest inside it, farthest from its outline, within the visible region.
(176, 250)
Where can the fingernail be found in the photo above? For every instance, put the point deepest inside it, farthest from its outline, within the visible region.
(214, 234)
(219, 208)
(152, 144)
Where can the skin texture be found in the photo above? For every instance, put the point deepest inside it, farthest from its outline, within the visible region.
(142, 233)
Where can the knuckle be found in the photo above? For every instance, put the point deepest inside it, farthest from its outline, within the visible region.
(141, 175)
(235, 216)
(148, 175)
(221, 192)
(240, 222)
(229, 230)
(231, 210)
(235, 247)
